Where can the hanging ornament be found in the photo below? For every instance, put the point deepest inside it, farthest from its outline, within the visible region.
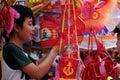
(49, 33)
(95, 16)
(98, 62)
(69, 61)
(68, 68)
(7, 16)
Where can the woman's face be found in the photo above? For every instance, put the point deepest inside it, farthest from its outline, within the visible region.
(118, 43)
(26, 31)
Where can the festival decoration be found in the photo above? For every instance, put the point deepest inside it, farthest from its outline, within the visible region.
(85, 20)
(69, 61)
(75, 34)
(7, 16)
(77, 18)
(49, 33)
(71, 33)
(98, 62)
(68, 68)
(93, 15)
(68, 64)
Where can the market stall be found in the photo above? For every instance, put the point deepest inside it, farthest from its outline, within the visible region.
(74, 25)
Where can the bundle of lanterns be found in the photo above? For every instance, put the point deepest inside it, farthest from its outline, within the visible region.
(73, 18)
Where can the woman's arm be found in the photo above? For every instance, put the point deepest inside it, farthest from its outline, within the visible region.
(41, 69)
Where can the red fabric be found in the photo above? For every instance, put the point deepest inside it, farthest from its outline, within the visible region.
(99, 65)
(4, 14)
(52, 23)
(51, 35)
(76, 30)
(68, 63)
(68, 67)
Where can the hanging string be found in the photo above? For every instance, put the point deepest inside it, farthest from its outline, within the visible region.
(63, 22)
(68, 22)
(69, 27)
(74, 14)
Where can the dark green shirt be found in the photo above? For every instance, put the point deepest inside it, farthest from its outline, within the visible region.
(16, 58)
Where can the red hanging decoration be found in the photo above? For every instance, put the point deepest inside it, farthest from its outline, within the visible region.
(7, 16)
(98, 64)
(49, 33)
(68, 68)
(95, 15)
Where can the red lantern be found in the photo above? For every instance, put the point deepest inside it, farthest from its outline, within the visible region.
(49, 33)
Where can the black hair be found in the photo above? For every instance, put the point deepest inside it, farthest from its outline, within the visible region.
(24, 12)
(117, 29)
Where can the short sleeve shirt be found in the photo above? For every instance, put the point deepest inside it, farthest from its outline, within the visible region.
(14, 57)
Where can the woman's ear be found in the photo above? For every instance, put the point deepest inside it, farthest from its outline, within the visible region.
(16, 28)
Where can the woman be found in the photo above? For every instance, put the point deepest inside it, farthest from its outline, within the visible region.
(117, 30)
(16, 64)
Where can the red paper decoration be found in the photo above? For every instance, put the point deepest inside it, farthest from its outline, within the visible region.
(49, 34)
